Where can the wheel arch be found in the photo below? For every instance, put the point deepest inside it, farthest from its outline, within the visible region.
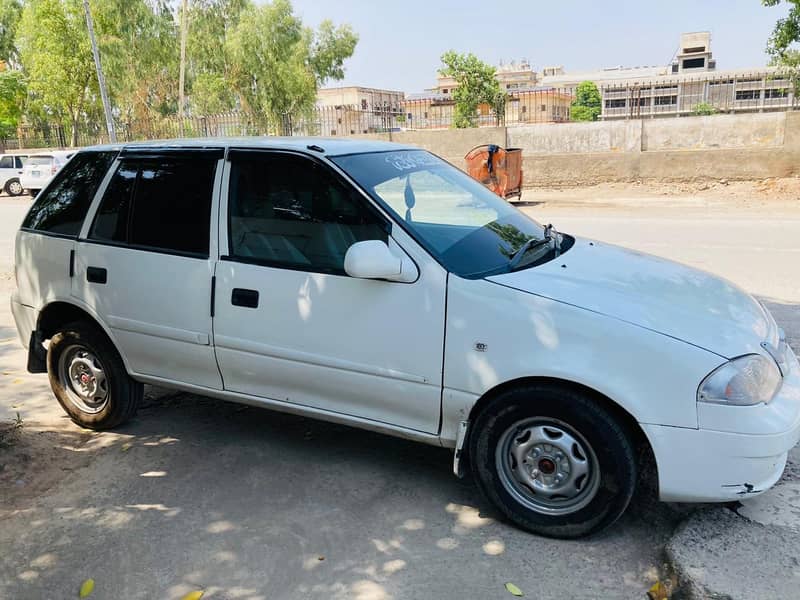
(59, 312)
(642, 443)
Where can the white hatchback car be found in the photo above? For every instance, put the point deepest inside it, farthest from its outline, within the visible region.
(376, 285)
(39, 169)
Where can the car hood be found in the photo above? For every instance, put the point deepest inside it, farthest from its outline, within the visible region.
(651, 292)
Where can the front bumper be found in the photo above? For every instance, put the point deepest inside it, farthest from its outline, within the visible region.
(715, 463)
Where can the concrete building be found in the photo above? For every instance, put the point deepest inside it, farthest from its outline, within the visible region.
(690, 79)
(512, 76)
(530, 105)
(354, 109)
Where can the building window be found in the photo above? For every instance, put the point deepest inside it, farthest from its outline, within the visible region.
(543, 108)
(363, 104)
(665, 100)
(524, 108)
(776, 93)
(445, 90)
(616, 103)
(748, 94)
(425, 115)
(694, 63)
(675, 67)
(721, 82)
(694, 50)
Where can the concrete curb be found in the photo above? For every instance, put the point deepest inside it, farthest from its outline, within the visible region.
(750, 552)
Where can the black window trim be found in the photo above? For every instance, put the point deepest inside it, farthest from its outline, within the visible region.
(100, 187)
(143, 158)
(364, 199)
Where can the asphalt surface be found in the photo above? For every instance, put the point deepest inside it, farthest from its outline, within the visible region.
(245, 503)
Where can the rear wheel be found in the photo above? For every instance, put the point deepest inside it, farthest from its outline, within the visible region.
(553, 460)
(14, 187)
(89, 379)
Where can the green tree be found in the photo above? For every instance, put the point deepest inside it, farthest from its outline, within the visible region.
(587, 105)
(138, 42)
(211, 23)
(10, 13)
(55, 54)
(476, 85)
(277, 64)
(782, 44)
(12, 98)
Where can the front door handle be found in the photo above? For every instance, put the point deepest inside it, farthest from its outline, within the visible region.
(243, 297)
(96, 275)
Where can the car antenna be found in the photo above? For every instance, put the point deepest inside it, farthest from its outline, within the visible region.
(315, 148)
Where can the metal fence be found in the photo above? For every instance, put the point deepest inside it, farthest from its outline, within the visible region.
(702, 93)
(428, 112)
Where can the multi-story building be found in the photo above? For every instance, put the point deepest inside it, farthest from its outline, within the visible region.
(512, 76)
(353, 109)
(530, 105)
(677, 88)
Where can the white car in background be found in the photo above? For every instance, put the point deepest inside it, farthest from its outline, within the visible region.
(10, 171)
(39, 169)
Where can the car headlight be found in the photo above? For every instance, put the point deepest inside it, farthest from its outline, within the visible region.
(743, 381)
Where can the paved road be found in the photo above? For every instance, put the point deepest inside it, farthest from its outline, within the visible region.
(249, 504)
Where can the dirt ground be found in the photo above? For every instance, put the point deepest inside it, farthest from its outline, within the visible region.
(773, 195)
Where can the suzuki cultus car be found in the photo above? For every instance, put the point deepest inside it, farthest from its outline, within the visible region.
(378, 286)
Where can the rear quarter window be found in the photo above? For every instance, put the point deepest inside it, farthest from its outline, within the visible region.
(62, 207)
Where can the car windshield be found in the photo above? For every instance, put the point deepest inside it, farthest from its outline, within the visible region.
(470, 230)
(35, 161)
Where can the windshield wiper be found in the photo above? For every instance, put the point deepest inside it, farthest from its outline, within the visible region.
(550, 235)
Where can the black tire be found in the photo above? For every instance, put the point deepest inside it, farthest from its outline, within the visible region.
(88, 344)
(12, 189)
(510, 417)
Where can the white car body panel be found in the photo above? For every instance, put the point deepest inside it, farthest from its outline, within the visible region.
(655, 379)
(651, 292)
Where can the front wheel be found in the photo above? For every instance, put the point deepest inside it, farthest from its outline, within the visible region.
(553, 460)
(89, 379)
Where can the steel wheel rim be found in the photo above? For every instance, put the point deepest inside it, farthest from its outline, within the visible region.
(547, 466)
(83, 378)
(15, 187)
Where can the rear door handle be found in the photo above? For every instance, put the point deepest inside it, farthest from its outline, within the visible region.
(96, 275)
(246, 298)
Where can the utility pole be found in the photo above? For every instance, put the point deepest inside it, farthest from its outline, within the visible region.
(182, 82)
(101, 80)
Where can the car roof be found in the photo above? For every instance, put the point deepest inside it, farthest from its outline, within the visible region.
(329, 146)
(53, 154)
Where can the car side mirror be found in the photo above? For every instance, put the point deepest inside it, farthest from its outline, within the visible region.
(372, 259)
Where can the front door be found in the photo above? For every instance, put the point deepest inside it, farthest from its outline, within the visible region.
(145, 263)
(291, 326)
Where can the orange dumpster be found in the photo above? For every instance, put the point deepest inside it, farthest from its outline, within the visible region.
(499, 169)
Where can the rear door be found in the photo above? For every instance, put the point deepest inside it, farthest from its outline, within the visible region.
(143, 262)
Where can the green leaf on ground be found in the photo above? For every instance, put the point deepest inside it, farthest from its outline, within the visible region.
(514, 590)
(87, 587)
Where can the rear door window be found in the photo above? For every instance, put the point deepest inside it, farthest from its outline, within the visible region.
(7, 162)
(62, 207)
(161, 204)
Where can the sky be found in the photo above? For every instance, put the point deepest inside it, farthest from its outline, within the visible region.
(401, 41)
